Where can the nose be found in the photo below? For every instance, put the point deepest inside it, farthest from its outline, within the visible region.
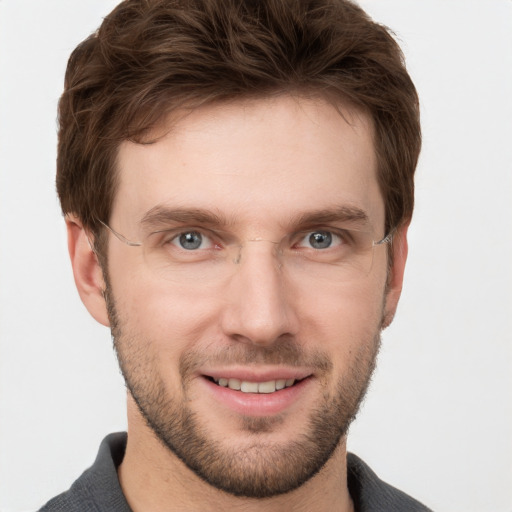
(258, 308)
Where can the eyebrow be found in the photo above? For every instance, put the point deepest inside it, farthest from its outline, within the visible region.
(343, 213)
(160, 216)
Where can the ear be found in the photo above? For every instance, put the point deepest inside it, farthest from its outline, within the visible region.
(396, 274)
(86, 270)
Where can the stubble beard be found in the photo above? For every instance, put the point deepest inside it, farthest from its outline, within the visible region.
(260, 468)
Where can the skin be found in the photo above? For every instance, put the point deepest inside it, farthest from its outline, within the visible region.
(259, 163)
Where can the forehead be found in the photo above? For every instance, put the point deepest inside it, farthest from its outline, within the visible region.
(254, 161)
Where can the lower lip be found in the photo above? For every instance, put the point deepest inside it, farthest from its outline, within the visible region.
(257, 404)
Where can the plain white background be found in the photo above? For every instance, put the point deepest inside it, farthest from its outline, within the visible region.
(438, 420)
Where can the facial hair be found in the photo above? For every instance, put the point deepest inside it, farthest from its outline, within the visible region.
(262, 468)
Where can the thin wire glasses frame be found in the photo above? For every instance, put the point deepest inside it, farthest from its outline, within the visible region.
(177, 266)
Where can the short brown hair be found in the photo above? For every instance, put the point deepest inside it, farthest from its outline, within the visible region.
(151, 57)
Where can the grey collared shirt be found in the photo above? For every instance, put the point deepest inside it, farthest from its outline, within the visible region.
(98, 489)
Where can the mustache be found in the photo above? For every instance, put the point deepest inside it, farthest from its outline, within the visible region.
(282, 352)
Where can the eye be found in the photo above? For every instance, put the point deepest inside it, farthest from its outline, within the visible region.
(192, 240)
(320, 240)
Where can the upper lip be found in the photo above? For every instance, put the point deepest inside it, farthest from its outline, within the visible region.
(257, 374)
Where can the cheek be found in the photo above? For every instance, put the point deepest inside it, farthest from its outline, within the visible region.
(344, 320)
(354, 305)
(167, 316)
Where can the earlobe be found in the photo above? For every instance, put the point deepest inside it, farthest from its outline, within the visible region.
(86, 270)
(396, 275)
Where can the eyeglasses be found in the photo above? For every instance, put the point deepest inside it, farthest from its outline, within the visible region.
(196, 253)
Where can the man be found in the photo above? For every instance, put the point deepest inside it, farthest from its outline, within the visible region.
(237, 181)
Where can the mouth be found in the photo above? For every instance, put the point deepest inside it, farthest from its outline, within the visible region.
(246, 386)
(250, 392)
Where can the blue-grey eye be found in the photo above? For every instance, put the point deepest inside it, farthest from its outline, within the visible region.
(190, 240)
(320, 239)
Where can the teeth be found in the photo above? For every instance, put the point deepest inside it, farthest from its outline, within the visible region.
(267, 387)
(255, 387)
(234, 384)
(249, 387)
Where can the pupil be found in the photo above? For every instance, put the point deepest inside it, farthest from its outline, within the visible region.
(191, 240)
(320, 239)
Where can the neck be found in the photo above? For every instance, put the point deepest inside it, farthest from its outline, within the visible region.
(153, 478)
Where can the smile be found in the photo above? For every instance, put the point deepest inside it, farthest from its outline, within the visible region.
(257, 392)
(245, 386)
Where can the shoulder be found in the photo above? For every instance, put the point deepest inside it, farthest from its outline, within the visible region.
(370, 493)
(98, 487)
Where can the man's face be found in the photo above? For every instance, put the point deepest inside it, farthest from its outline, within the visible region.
(249, 286)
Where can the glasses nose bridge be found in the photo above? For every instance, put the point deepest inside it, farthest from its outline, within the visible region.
(240, 249)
